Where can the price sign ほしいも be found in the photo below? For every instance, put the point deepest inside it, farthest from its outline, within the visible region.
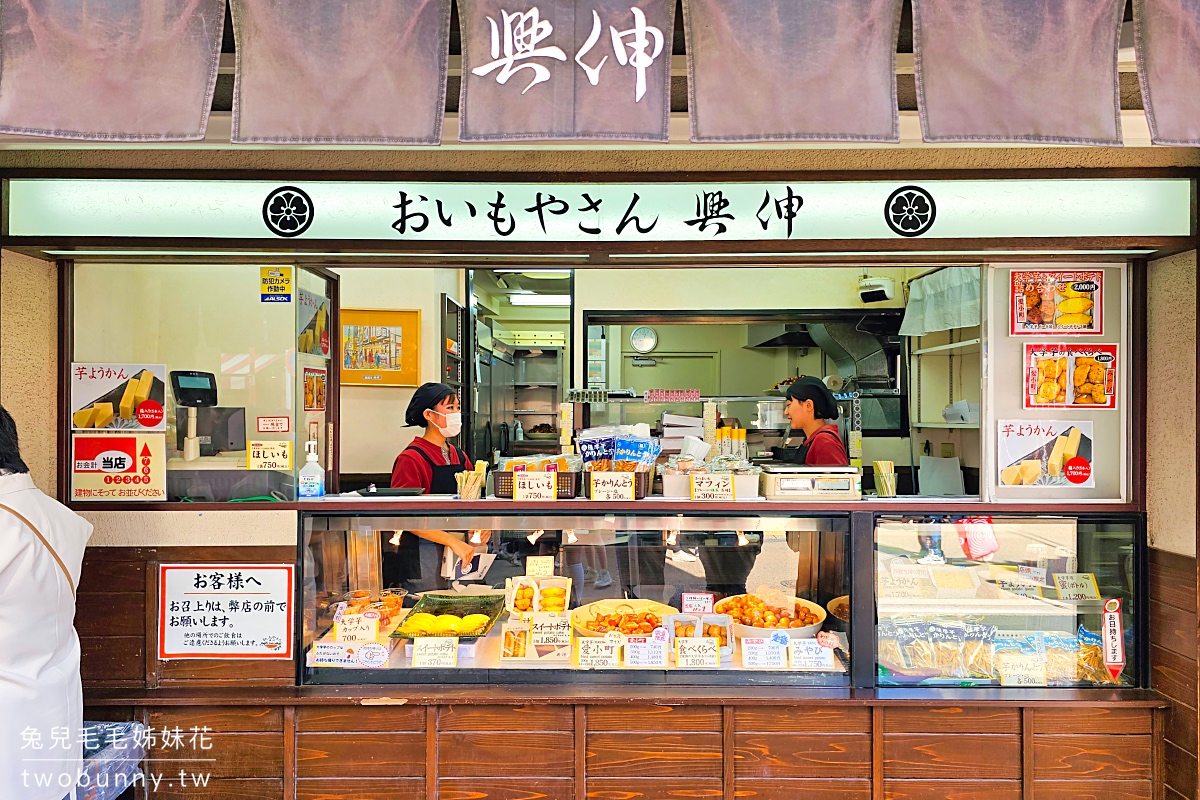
(435, 652)
(612, 485)
(712, 487)
(535, 486)
(269, 455)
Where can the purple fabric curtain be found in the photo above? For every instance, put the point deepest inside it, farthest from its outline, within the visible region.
(792, 70)
(1018, 70)
(113, 70)
(340, 71)
(565, 70)
(1168, 59)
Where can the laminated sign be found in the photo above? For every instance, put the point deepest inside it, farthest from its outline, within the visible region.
(225, 611)
(110, 467)
(121, 397)
(1045, 453)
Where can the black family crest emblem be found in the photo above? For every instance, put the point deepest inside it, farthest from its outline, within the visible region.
(288, 211)
(910, 211)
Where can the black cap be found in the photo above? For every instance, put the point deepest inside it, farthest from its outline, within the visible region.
(809, 388)
(424, 399)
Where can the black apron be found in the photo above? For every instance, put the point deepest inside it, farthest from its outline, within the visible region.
(408, 560)
(799, 454)
(443, 481)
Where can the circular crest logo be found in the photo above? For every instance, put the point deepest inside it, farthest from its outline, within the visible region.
(910, 211)
(288, 211)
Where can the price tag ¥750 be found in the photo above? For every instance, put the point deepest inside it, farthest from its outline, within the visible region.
(538, 486)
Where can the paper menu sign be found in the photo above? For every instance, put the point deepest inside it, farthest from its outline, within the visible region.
(599, 652)
(1070, 376)
(362, 627)
(269, 455)
(539, 566)
(645, 652)
(810, 655)
(697, 603)
(1032, 574)
(612, 485)
(256, 599)
(1022, 670)
(550, 629)
(118, 397)
(1114, 638)
(111, 467)
(902, 568)
(697, 653)
(435, 652)
(1019, 587)
(712, 487)
(1045, 453)
(1064, 303)
(539, 486)
(761, 653)
(1076, 586)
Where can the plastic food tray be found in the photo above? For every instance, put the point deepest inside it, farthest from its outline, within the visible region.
(490, 605)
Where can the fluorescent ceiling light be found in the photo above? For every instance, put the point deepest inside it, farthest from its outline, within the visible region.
(898, 254)
(540, 299)
(303, 254)
(534, 271)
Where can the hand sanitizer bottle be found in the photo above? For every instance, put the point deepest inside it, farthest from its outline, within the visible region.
(312, 475)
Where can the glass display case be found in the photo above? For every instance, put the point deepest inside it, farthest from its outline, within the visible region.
(646, 598)
(1009, 601)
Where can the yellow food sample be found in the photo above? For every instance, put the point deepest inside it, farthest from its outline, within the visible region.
(1081, 320)
(104, 415)
(1031, 470)
(1096, 373)
(554, 591)
(1067, 291)
(1010, 476)
(84, 417)
(1074, 436)
(127, 405)
(446, 623)
(474, 623)
(1075, 305)
(1055, 462)
(1080, 375)
(145, 385)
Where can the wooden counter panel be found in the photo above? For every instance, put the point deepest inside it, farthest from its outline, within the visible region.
(506, 718)
(653, 789)
(800, 755)
(340, 719)
(952, 719)
(1179, 769)
(108, 577)
(221, 789)
(232, 755)
(111, 614)
(910, 755)
(1061, 721)
(1092, 757)
(1173, 629)
(360, 789)
(219, 719)
(806, 788)
(961, 789)
(112, 660)
(653, 718)
(506, 754)
(505, 789)
(341, 755)
(216, 671)
(664, 755)
(1172, 674)
(801, 719)
(1092, 790)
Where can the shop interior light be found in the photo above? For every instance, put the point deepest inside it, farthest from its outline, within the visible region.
(540, 299)
(395, 540)
(572, 538)
(533, 537)
(672, 538)
(743, 539)
(476, 537)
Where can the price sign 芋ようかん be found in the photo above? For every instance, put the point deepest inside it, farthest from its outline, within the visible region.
(269, 455)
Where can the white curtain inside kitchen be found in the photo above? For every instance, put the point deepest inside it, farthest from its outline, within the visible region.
(948, 298)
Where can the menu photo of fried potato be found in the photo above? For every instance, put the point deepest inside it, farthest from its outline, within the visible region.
(1062, 302)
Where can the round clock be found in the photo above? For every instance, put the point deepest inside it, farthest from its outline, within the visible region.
(643, 339)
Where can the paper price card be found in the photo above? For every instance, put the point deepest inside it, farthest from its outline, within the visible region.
(902, 568)
(712, 487)
(643, 652)
(269, 455)
(810, 655)
(612, 485)
(1076, 586)
(362, 627)
(435, 652)
(539, 486)
(761, 653)
(551, 629)
(372, 655)
(599, 652)
(539, 566)
(697, 653)
(697, 603)
(1022, 670)
(1062, 303)
(1032, 574)
(1019, 587)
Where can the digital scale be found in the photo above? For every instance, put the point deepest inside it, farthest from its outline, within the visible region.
(794, 482)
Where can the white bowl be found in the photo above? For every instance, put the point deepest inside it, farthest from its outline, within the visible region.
(807, 632)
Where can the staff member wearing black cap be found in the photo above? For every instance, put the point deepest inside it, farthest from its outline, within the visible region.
(810, 406)
(430, 462)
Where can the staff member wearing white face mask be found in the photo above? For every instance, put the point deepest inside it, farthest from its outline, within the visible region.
(431, 462)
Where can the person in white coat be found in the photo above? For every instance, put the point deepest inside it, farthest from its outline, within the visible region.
(41, 696)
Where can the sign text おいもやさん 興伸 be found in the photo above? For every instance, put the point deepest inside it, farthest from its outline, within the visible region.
(225, 611)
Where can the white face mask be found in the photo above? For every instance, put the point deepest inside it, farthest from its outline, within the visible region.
(453, 424)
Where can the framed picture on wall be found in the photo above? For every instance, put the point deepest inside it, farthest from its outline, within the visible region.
(380, 347)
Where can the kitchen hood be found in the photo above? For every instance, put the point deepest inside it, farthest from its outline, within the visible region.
(778, 335)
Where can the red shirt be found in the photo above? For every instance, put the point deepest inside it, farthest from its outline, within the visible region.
(412, 471)
(826, 450)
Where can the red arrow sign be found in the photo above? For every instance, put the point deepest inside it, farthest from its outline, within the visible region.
(1114, 638)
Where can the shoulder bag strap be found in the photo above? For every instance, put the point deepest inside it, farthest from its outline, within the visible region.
(66, 573)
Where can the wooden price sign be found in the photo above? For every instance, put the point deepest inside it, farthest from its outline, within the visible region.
(538, 486)
(612, 485)
(697, 653)
(269, 455)
(435, 652)
(712, 487)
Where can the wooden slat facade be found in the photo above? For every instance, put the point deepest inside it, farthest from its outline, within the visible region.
(1174, 670)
